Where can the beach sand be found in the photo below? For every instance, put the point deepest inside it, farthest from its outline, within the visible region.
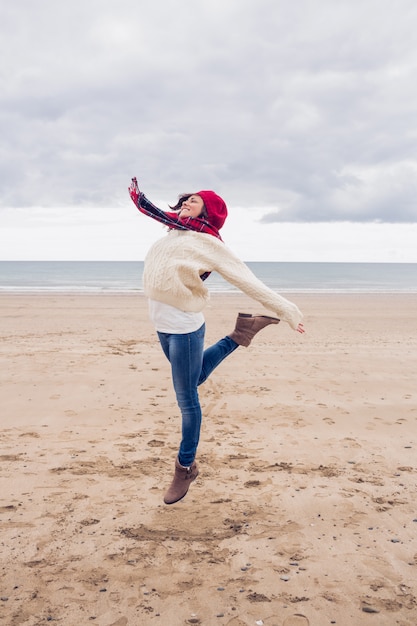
(305, 508)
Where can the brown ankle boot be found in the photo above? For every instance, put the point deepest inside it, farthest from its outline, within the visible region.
(183, 477)
(248, 325)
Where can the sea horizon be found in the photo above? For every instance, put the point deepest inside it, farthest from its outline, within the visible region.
(91, 277)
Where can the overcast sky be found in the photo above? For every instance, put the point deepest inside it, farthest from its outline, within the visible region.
(302, 114)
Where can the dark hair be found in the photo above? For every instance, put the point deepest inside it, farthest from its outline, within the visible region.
(182, 198)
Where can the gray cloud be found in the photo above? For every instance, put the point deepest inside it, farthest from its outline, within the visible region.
(306, 109)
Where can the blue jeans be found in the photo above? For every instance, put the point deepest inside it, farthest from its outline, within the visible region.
(191, 365)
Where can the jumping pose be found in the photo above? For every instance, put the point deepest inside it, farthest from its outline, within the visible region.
(175, 271)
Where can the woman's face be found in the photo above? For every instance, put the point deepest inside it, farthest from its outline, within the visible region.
(192, 207)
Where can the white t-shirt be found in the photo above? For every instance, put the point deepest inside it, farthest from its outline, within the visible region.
(169, 319)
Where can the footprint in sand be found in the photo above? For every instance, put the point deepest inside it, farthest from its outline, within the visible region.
(296, 620)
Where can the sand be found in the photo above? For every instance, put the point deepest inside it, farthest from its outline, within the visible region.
(304, 512)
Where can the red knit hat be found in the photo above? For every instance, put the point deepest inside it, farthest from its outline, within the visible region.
(215, 206)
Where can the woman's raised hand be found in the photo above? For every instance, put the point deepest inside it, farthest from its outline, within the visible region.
(134, 190)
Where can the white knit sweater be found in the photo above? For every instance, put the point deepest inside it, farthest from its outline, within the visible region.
(174, 264)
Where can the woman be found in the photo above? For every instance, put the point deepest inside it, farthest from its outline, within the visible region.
(176, 267)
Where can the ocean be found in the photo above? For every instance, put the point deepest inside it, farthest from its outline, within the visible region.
(126, 277)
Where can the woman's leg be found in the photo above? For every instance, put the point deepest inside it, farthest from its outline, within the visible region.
(185, 353)
(247, 326)
(214, 355)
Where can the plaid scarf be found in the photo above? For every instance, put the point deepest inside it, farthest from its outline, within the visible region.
(170, 219)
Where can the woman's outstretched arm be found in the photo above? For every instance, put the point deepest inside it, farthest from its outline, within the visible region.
(146, 207)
